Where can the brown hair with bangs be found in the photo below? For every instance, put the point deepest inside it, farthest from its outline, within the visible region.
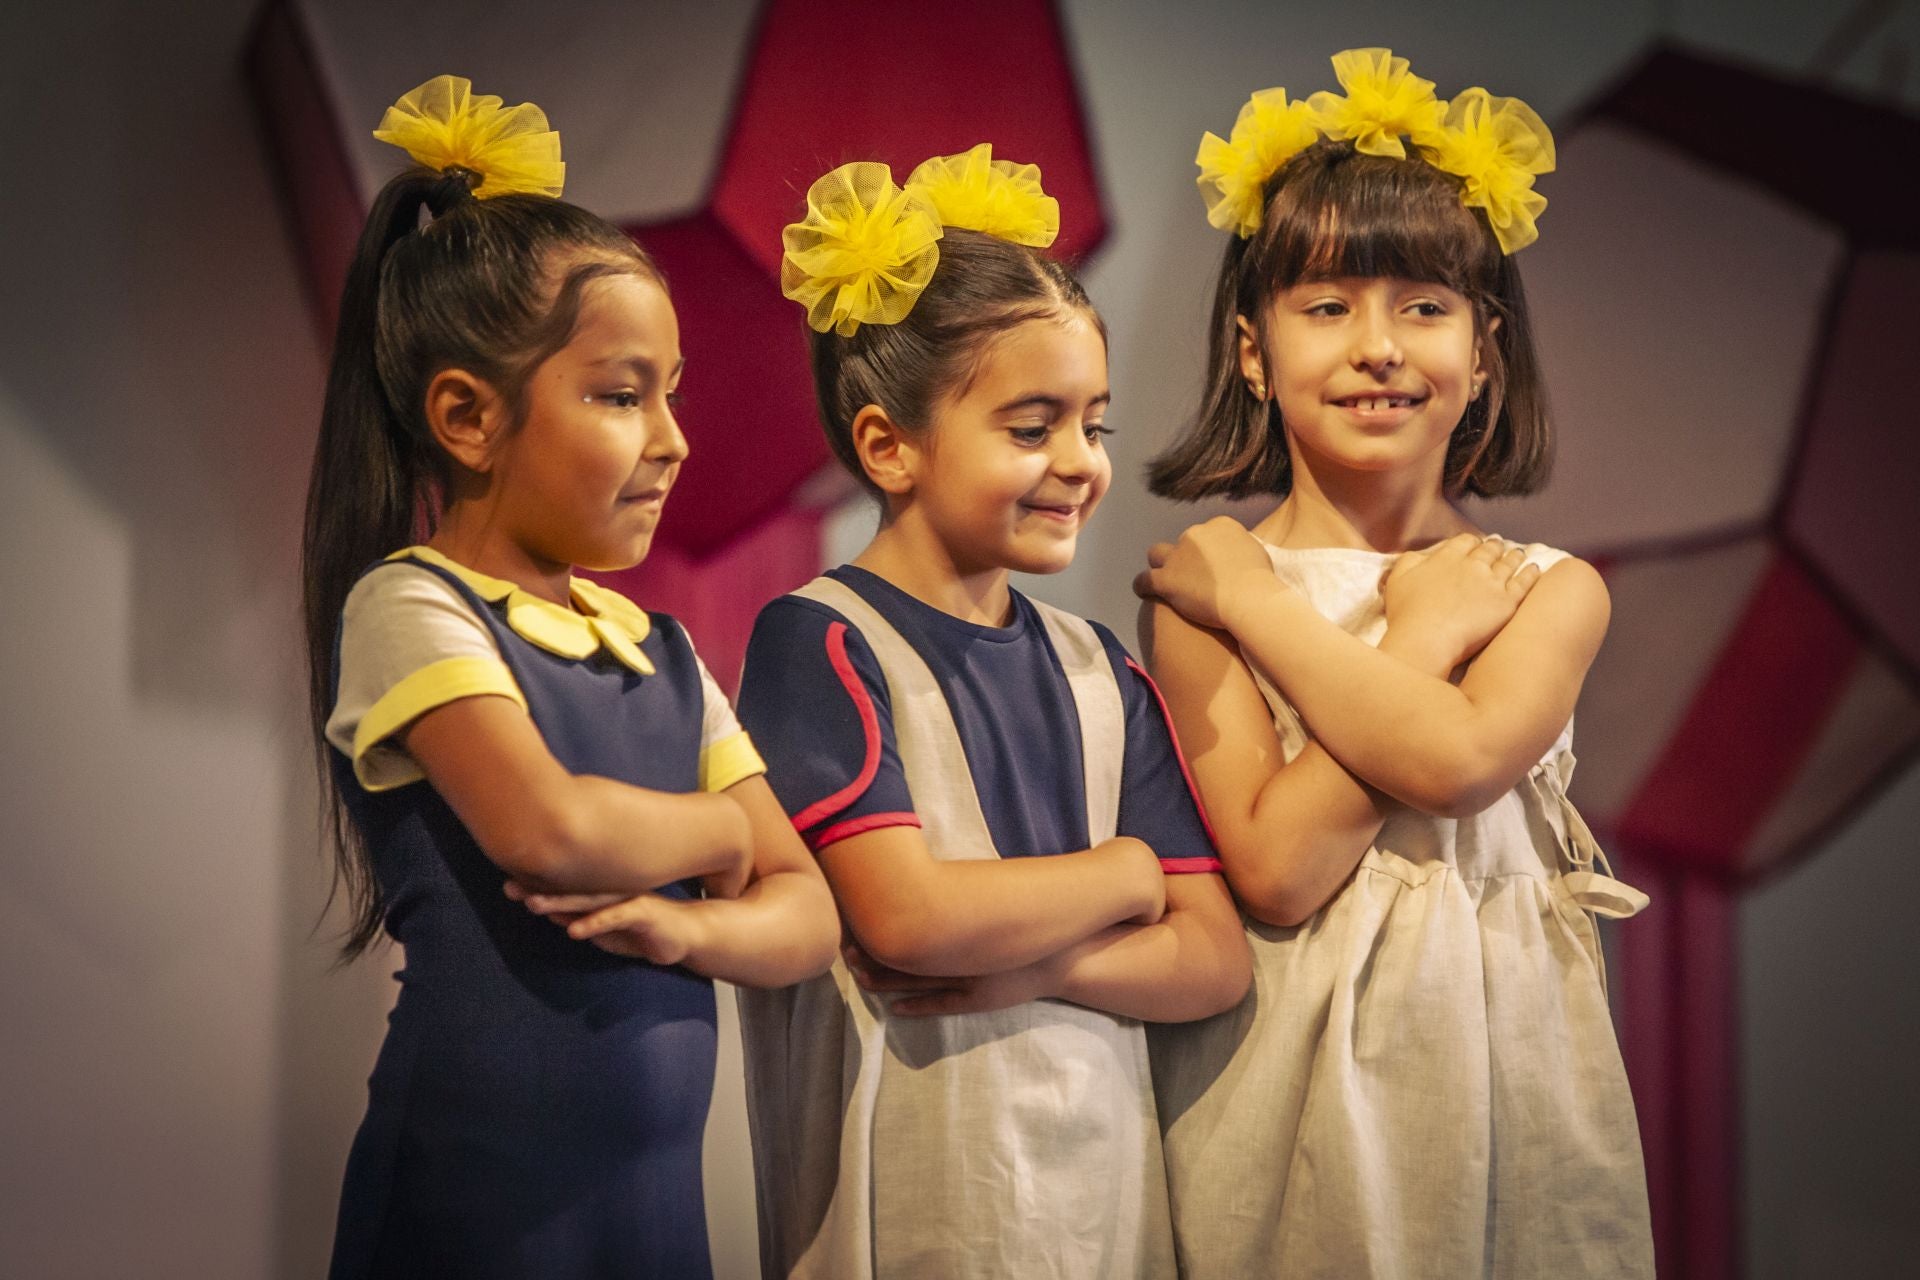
(1332, 212)
(982, 288)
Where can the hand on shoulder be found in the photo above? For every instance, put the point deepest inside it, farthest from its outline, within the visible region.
(1210, 567)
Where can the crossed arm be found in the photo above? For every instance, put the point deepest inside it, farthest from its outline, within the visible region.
(768, 919)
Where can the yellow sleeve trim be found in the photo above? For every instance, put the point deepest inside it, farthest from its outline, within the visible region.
(730, 760)
(433, 685)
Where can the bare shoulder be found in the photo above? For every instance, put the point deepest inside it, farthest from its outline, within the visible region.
(1567, 612)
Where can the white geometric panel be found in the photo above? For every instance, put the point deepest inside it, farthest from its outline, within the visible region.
(1677, 313)
(650, 159)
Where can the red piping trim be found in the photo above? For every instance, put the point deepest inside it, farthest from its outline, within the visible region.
(859, 826)
(1174, 737)
(824, 808)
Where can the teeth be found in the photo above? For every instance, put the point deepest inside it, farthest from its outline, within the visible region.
(1376, 403)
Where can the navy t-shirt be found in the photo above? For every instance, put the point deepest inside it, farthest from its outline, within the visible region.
(816, 704)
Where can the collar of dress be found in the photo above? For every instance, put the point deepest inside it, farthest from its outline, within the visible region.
(599, 618)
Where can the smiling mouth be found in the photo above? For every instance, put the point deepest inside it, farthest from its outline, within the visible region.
(1378, 403)
(1064, 512)
(656, 494)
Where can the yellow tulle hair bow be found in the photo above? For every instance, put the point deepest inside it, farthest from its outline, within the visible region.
(1495, 146)
(867, 248)
(444, 125)
(864, 251)
(1234, 170)
(974, 191)
(1384, 100)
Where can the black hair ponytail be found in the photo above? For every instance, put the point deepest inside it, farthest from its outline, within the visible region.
(471, 287)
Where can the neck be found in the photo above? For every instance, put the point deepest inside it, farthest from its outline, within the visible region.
(907, 555)
(470, 533)
(1387, 511)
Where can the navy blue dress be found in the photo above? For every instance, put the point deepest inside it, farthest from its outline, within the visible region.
(538, 1104)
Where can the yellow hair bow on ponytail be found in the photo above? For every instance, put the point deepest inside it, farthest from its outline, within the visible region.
(975, 192)
(444, 125)
(864, 251)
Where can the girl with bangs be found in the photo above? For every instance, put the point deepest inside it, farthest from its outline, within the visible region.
(1377, 699)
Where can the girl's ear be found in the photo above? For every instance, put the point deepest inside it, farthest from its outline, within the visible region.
(1479, 356)
(466, 416)
(1253, 365)
(888, 455)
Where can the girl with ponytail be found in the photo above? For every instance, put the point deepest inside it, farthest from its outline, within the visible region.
(500, 409)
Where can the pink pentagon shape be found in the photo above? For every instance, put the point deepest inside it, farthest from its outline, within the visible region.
(1855, 508)
(749, 416)
(836, 80)
(1750, 725)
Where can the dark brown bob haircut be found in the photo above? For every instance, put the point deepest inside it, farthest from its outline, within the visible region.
(1333, 213)
(982, 288)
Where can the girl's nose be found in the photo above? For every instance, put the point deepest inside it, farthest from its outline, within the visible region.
(1073, 458)
(1375, 347)
(666, 443)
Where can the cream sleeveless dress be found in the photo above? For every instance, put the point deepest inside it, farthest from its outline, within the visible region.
(1019, 1143)
(1424, 1080)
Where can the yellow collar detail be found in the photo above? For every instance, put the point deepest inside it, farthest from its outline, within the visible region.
(599, 619)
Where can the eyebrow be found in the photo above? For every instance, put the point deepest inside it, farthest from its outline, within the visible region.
(640, 364)
(1051, 403)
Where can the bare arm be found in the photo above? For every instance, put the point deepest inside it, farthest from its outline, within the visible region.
(1443, 749)
(922, 915)
(782, 929)
(1192, 964)
(1289, 833)
(559, 830)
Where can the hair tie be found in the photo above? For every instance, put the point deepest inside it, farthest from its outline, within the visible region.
(446, 127)
(1495, 146)
(975, 192)
(867, 248)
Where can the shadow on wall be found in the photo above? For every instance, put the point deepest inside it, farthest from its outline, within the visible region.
(158, 354)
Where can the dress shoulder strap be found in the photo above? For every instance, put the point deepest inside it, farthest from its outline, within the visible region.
(1103, 714)
(931, 753)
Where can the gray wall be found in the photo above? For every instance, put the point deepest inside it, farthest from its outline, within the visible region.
(182, 1068)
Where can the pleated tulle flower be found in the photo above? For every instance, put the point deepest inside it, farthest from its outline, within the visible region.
(1384, 101)
(974, 191)
(444, 125)
(864, 251)
(1234, 170)
(1496, 146)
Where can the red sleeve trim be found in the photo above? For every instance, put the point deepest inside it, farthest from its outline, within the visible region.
(824, 808)
(1190, 866)
(1174, 738)
(859, 826)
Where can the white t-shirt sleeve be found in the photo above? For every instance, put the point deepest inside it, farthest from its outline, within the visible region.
(408, 643)
(727, 754)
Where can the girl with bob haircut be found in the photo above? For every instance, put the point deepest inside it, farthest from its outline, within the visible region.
(990, 784)
(502, 386)
(1378, 702)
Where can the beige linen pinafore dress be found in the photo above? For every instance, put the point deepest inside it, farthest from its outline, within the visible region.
(1424, 1080)
(1018, 1143)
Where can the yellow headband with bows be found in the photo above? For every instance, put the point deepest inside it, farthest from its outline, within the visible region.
(867, 248)
(1495, 146)
(445, 126)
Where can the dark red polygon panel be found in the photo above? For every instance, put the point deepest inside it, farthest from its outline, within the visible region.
(831, 81)
(1855, 506)
(748, 413)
